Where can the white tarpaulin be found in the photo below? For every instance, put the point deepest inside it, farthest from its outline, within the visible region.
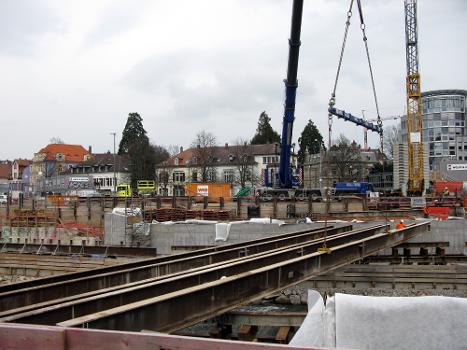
(363, 322)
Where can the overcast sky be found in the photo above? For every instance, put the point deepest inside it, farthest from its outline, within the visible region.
(75, 69)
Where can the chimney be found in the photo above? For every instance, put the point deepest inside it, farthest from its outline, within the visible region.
(90, 149)
(181, 149)
(226, 145)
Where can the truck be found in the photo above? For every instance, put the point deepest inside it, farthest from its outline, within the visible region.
(143, 188)
(212, 190)
(342, 188)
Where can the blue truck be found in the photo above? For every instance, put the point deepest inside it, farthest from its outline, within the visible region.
(342, 188)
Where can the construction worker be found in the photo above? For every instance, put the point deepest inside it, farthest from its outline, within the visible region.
(446, 192)
(400, 225)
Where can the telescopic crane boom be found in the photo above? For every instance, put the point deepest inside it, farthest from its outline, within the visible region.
(291, 83)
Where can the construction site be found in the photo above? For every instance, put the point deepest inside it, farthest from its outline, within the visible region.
(301, 262)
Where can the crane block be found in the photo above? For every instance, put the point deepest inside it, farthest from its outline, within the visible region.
(358, 121)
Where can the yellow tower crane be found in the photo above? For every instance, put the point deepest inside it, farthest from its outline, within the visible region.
(416, 181)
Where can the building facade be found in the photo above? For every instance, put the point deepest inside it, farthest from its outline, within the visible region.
(106, 175)
(240, 165)
(444, 135)
(443, 124)
(56, 159)
(321, 169)
(20, 174)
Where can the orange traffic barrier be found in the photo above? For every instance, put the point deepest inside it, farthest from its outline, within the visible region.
(440, 213)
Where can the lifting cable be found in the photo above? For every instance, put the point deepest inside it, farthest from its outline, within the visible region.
(332, 100)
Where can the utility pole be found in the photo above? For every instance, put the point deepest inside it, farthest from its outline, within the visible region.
(365, 133)
(115, 165)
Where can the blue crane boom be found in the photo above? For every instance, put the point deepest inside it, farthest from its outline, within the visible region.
(291, 83)
(359, 121)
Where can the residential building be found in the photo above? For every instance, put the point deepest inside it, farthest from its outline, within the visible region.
(5, 176)
(56, 159)
(106, 175)
(322, 170)
(20, 174)
(249, 165)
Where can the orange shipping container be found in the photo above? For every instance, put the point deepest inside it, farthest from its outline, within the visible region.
(212, 190)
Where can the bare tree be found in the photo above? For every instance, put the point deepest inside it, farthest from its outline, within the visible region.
(173, 150)
(345, 155)
(204, 146)
(392, 136)
(244, 161)
(56, 140)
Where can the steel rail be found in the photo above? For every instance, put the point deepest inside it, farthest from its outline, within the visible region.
(49, 303)
(27, 296)
(74, 275)
(188, 306)
(52, 314)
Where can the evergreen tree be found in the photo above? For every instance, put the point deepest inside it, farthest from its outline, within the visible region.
(132, 134)
(136, 144)
(310, 142)
(264, 132)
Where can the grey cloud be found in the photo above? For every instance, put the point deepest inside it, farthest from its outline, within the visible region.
(22, 22)
(118, 17)
(223, 82)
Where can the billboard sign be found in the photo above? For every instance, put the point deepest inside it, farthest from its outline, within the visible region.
(202, 190)
(452, 167)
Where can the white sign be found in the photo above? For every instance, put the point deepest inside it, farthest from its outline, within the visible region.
(457, 166)
(418, 202)
(202, 190)
(79, 179)
(415, 137)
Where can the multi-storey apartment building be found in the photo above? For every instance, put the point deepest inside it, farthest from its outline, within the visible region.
(249, 165)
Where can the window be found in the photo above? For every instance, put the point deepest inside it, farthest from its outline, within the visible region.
(265, 160)
(211, 175)
(229, 175)
(178, 176)
(176, 161)
(194, 176)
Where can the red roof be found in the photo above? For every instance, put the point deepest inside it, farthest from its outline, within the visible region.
(5, 171)
(23, 162)
(72, 153)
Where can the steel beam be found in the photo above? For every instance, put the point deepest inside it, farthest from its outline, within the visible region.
(154, 287)
(20, 336)
(76, 275)
(24, 297)
(179, 309)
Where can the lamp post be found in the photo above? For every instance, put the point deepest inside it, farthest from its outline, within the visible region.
(320, 162)
(115, 166)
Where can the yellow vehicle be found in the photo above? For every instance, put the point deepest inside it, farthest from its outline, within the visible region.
(124, 190)
(146, 187)
(143, 188)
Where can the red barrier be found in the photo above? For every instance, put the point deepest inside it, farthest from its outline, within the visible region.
(441, 213)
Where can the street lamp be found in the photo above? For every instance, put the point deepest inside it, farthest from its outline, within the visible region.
(320, 162)
(115, 166)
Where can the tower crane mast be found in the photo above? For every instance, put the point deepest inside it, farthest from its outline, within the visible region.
(414, 100)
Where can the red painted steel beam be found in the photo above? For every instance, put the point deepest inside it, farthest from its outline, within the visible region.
(18, 336)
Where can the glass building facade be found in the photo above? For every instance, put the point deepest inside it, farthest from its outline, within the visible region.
(444, 123)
